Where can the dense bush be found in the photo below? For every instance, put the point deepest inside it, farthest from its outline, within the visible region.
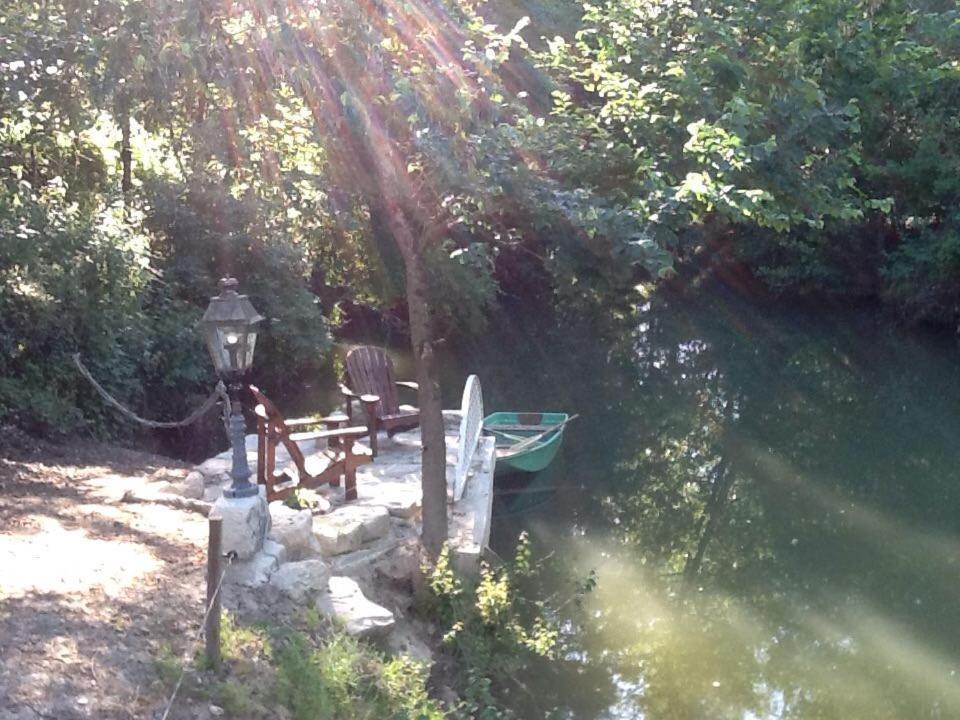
(815, 140)
(82, 278)
(71, 280)
(200, 233)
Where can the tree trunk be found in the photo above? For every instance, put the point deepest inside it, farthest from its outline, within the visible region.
(371, 161)
(433, 438)
(126, 156)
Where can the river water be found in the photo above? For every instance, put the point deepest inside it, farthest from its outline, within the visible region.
(768, 495)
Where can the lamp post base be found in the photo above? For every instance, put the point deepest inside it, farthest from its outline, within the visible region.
(243, 491)
(246, 522)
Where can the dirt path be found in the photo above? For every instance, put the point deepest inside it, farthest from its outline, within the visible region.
(93, 589)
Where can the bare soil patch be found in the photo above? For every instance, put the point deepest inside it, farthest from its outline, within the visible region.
(93, 589)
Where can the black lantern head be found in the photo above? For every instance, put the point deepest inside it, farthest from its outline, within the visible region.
(229, 328)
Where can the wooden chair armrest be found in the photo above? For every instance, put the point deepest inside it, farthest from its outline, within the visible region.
(409, 384)
(336, 418)
(302, 422)
(348, 392)
(357, 431)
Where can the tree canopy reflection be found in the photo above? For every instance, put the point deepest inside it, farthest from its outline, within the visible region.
(767, 500)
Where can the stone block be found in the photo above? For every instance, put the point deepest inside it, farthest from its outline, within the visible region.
(191, 490)
(276, 550)
(360, 563)
(301, 580)
(314, 548)
(374, 519)
(400, 565)
(193, 485)
(402, 500)
(215, 466)
(338, 534)
(345, 601)
(217, 479)
(253, 572)
(245, 524)
(292, 529)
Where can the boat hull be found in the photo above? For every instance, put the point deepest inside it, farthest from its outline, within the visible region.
(508, 427)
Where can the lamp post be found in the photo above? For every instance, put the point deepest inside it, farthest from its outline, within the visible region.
(229, 328)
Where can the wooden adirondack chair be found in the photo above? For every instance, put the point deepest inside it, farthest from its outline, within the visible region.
(339, 460)
(370, 372)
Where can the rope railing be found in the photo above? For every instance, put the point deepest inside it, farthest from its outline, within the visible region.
(219, 393)
(207, 627)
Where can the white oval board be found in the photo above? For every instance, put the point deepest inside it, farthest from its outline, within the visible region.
(471, 425)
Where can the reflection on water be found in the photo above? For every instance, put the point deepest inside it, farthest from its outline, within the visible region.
(770, 498)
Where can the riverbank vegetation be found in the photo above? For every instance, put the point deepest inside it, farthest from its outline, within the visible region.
(149, 147)
(494, 629)
(308, 669)
(486, 635)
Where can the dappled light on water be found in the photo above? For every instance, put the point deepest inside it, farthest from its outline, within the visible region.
(765, 496)
(672, 652)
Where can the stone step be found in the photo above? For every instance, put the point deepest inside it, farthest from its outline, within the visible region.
(301, 580)
(349, 527)
(293, 529)
(401, 498)
(360, 617)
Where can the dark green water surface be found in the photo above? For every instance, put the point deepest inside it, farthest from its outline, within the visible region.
(770, 499)
(769, 495)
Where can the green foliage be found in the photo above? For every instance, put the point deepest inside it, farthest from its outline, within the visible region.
(492, 628)
(167, 666)
(80, 278)
(235, 698)
(342, 679)
(276, 173)
(71, 277)
(334, 677)
(148, 147)
(462, 285)
(814, 140)
(201, 232)
(238, 642)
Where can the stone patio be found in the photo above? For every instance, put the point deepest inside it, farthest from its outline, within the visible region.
(323, 556)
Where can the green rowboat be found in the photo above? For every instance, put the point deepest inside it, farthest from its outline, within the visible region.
(513, 430)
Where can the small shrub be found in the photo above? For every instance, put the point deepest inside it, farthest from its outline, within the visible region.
(238, 642)
(493, 628)
(344, 679)
(236, 699)
(167, 665)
